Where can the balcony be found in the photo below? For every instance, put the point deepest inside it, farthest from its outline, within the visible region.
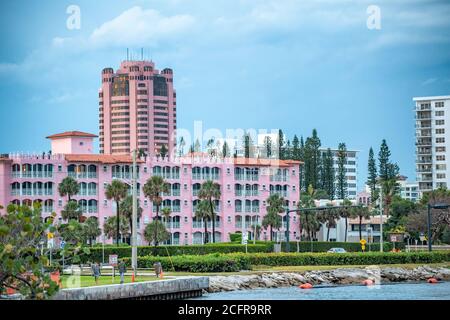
(424, 170)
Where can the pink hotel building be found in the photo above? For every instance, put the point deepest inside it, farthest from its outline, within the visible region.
(245, 183)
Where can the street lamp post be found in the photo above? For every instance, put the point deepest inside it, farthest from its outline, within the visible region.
(134, 218)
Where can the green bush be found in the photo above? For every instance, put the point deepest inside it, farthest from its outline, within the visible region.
(236, 237)
(190, 263)
(96, 254)
(234, 262)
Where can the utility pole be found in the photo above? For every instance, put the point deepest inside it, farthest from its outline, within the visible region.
(134, 218)
(381, 218)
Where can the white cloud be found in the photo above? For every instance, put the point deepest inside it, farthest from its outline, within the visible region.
(429, 81)
(137, 26)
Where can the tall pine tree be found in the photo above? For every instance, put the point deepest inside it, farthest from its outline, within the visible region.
(328, 176)
(372, 176)
(312, 160)
(341, 171)
(280, 145)
(384, 160)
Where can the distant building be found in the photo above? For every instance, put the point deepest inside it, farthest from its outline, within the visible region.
(409, 190)
(432, 116)
(137, 109)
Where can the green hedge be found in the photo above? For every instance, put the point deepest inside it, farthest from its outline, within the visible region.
(241, 261)
(203, 263)
(227, 247)
(96, 254)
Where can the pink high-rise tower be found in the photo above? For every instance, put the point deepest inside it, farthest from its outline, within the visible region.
(137, 109)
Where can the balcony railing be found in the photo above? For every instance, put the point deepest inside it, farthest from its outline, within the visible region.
(251, 177)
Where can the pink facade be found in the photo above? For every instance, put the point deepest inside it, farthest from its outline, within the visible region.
(245, 186)
(137, 109)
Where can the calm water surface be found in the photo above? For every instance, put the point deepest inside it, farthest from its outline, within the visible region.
(403, 291)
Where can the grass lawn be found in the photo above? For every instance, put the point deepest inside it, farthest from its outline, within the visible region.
(88, 281)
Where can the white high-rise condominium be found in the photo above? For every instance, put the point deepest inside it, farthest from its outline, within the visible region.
(351, 170)
(432, 141)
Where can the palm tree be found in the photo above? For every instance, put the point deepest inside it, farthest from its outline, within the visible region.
(126, 209)
(110, 227)
(91, 229)
(68, 186)
(117, 190)
(362, 213)
(210, 191)
(156, 232)
(346, 212)
(307, 217)
(272, 219)
(153, 189)
(330, 216)
(71, 211)
(203, 212)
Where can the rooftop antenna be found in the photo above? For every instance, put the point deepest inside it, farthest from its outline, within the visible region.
(128, 55)
(142, 54)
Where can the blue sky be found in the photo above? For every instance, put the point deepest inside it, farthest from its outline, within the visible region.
(295, 65)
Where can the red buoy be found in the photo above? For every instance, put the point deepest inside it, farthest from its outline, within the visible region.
(432, 280)
(306, 286)
(368, 282)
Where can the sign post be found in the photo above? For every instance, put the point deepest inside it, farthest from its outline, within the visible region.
(113, 259)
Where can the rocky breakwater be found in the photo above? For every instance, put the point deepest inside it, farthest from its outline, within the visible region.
(326, 277)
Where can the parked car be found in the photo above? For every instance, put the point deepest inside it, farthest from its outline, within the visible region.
(337, 250)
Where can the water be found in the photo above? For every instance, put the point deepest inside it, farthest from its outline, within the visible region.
(403, 291)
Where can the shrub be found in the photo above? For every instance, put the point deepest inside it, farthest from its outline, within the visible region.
(236, 237)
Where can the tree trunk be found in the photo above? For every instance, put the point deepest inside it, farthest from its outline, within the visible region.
(328, 233)
(205, 237)
(213, 221)
(271, 233)
(307, 228)
(156, 229)
(360, 225)
(118, 223)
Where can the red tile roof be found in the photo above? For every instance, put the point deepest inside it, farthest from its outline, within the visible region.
(100, 158)
(72, 134)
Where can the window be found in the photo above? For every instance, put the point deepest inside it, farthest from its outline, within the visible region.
(440, 122)
(185, 221)
(439, 113)
(440, 140)
(105, 168)
(440, 149)
(440, 157)
(440, 176)
(228, 187)
(59, 203)
(185, 186)
(440, 131)
(145, 169)
(439, 104)
(59, 168)
(441, 167)
(228, 171)
(105, 202)
(441, 185)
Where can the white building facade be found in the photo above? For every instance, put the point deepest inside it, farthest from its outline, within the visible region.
(432, 116)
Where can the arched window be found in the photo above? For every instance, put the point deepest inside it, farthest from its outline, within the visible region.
(196, 189)
(237, 205)
(71, 171)
(92, 171)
